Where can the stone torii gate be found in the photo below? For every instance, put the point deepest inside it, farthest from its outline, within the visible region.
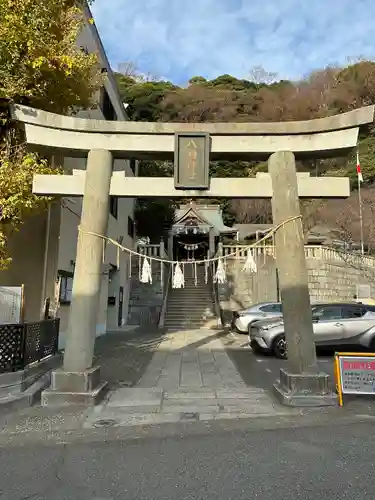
(191, 145)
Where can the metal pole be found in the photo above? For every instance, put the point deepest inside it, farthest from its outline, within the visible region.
(360, 214)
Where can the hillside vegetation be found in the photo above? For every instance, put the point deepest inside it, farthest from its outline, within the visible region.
(263, 98)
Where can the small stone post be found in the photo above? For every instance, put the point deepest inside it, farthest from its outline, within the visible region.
(78, 382)
(301, 384)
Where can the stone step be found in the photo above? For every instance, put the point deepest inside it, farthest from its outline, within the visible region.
(194, 316)
(192, 288)
(204, 301)
(188, 326)
(196, 299)
(201, 304)
(198, 317)
(32, 395)
(186, 305)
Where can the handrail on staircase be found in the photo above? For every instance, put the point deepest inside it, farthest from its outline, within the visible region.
(165, 298)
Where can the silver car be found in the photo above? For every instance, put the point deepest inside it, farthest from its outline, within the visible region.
(242, 319)
(334, 324)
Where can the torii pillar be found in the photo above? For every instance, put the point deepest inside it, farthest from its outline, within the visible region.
(301, 384)
(79, 382)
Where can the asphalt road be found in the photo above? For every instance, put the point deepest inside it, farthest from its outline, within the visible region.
(262, 370)
(330, 462)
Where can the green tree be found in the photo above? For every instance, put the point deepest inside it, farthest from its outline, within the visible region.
(154, 216)
(144, 97)
(40, 66)
(262, 97)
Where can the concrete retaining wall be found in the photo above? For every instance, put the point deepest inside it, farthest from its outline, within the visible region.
(332, 277)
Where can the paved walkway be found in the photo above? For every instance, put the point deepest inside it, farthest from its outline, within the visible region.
(191, 359)
(220, 395)
(190, 377)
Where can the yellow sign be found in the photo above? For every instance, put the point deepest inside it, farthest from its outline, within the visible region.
(354, 373)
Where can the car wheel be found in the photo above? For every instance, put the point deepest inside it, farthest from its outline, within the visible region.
(280, 347)
(372, 345)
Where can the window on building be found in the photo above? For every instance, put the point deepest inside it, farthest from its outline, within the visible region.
(66, 286)
(113, 206)
(130, 227)
(133, 165)
(106, 106)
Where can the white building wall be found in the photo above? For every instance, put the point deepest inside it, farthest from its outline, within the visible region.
(46, 244)
(108, 315)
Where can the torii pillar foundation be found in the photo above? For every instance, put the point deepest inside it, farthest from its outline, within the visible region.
(301, 383)
(78, 382)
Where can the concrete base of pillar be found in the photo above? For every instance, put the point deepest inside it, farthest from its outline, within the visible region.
(305, 390)
(75, 388)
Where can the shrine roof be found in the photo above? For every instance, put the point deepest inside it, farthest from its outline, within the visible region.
(210, 215)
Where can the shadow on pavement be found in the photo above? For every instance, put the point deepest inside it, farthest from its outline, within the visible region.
(124, 356)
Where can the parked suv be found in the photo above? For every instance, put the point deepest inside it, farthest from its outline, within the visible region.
(334, 324)
(242, 319)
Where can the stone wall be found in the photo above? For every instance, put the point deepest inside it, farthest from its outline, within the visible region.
(335, 281)
(332, 277)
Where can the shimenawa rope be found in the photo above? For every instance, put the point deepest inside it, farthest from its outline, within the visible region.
(212, 259)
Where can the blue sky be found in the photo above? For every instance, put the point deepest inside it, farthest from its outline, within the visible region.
(179, 39)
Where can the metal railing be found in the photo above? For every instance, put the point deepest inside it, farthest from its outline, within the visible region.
(216, 299)
(215, 289)
(311, 252)
(167, 286)
(22, 344)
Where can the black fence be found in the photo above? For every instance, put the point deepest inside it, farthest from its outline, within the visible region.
(26, 343)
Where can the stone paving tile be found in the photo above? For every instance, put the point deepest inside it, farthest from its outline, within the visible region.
(245, 393)
(135, 397)
(190, 408)
(212, 380)
(190, 394)
(193, 358)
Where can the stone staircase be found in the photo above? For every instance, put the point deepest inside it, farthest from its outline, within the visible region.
(191, 307)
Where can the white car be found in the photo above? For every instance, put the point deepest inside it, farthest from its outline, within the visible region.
(334, 325)
(264, 310)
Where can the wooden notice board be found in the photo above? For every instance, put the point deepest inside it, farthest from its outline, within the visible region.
(354, 373)
(192, 160)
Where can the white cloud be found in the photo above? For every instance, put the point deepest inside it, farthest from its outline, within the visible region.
(181, 39)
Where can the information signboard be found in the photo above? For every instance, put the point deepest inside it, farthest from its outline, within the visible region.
(11, 303)
(355, 374)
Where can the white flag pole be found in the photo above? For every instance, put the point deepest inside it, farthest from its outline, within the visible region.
(360, 180)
